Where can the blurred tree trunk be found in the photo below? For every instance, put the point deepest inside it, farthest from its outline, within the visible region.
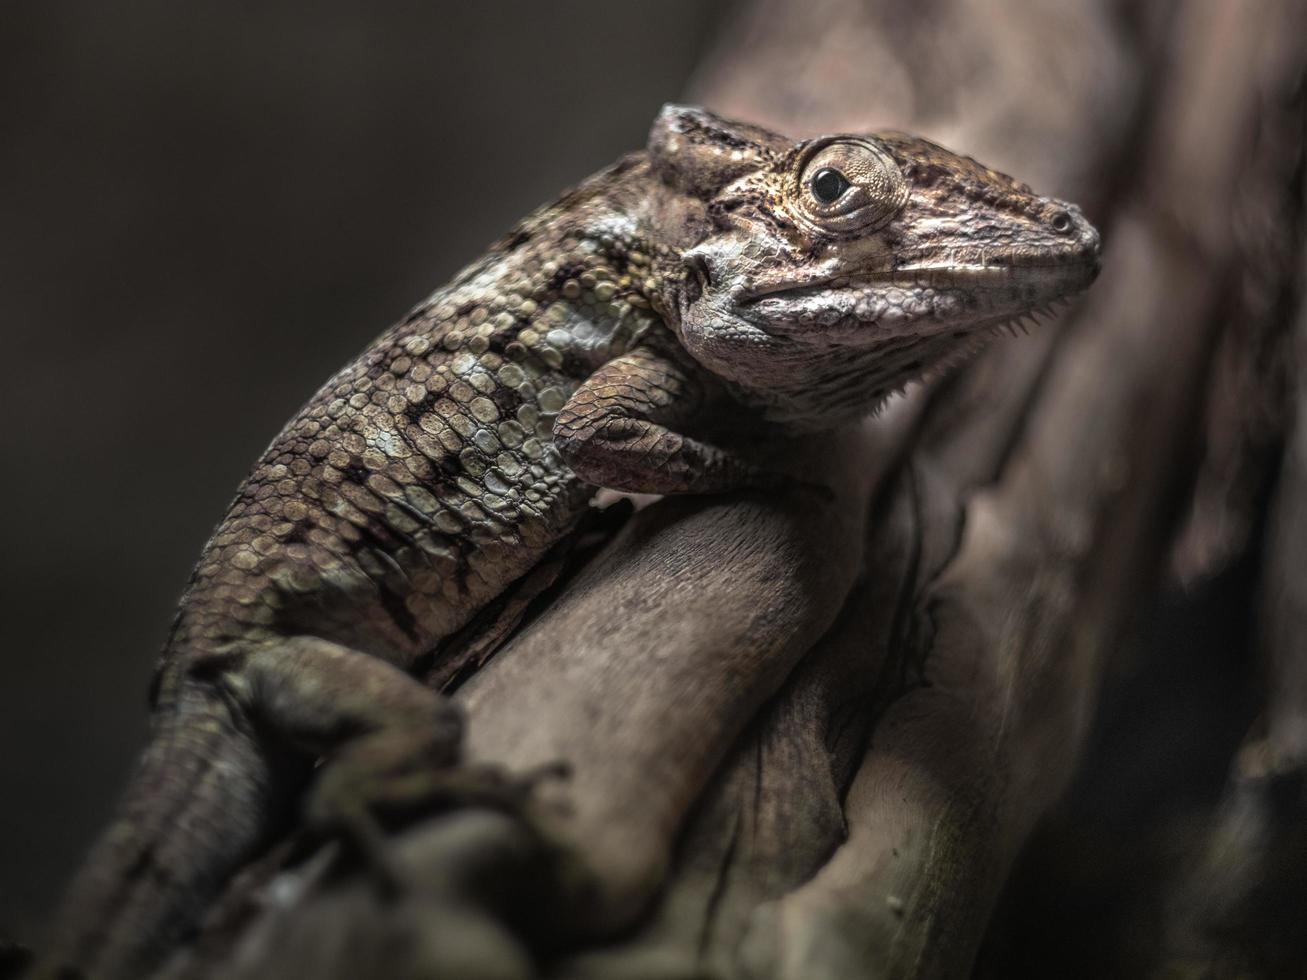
(814, 741)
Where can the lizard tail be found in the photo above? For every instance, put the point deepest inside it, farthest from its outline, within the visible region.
(204, 798)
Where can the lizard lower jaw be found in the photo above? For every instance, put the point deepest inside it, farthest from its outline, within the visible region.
(1076, 266)
(1075, 271)
(920, 301)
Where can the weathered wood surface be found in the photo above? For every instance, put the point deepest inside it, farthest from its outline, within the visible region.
(810, 740)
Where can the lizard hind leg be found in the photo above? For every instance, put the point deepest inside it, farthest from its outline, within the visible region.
(389, 744)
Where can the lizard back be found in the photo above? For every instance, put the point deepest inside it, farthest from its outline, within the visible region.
(421, 480)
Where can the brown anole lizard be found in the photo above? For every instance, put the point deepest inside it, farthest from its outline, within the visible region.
(724, 277)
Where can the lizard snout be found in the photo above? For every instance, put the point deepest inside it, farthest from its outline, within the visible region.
(1069, 221)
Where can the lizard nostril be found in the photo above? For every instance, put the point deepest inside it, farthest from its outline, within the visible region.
(1061, 222)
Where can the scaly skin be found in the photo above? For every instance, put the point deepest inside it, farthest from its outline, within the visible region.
(716, 277)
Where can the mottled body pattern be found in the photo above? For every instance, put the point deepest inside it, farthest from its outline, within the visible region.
(423, 478)
(726, 277)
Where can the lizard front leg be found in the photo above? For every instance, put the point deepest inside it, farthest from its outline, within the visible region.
(620, 429)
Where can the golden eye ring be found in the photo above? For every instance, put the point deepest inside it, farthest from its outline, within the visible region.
(848, 185)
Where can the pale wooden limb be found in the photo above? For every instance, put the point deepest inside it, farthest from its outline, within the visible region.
(644, 672)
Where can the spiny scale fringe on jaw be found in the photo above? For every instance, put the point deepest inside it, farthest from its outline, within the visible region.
(1021, 325)
(946, 365)
(1018, 326)
(967, 349)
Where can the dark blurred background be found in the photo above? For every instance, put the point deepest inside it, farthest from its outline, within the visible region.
(206, 209)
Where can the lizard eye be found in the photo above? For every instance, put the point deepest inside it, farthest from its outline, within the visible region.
(849, 184)
(828, 184)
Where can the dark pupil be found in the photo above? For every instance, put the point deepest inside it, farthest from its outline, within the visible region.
(828, 184)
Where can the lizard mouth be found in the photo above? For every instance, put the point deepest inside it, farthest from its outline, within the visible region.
(979, 271)
(927, 297)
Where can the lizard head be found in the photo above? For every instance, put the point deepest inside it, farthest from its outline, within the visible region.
(824, 274)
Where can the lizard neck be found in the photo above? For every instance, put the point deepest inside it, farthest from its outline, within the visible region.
(422, 479)
(809, 391)
(571, 287)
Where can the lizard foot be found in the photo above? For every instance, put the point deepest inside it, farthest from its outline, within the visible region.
(363, 805)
